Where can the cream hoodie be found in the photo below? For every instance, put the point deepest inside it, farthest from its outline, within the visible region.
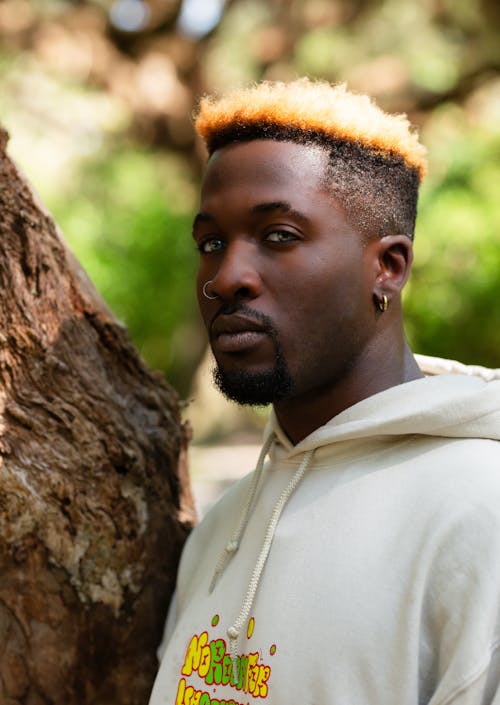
(362, 566)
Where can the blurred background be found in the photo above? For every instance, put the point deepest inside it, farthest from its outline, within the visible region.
(98, 97)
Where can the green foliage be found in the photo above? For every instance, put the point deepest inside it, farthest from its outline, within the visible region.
(452, 298)
(127, 218)
(230, 61)
(326, 52)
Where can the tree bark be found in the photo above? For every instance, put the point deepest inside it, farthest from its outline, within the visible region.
(94, 504)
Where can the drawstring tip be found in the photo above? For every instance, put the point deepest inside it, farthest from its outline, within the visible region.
(234, 543)
(233, 635)
(213, 583)
(230, 548)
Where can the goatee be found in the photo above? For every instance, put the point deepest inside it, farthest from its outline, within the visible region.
(255, 388)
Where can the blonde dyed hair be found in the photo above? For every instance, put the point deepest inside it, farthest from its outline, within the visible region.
(313, 107)
(374, 164)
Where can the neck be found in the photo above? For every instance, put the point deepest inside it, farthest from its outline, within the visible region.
(375, 371)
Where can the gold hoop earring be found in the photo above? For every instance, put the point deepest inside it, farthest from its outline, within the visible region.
(383, 303)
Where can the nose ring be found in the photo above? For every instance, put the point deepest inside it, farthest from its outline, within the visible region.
(204, 290)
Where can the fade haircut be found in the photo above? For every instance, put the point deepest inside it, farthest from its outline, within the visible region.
(375, 161)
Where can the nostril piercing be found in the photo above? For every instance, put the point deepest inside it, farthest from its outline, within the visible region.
(204, 290)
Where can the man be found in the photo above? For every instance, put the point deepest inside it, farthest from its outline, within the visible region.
(361, 564)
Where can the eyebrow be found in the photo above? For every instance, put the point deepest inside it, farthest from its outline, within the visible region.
(202, 218)
(282, 206)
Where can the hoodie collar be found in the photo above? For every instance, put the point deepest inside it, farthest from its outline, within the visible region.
(457, 401)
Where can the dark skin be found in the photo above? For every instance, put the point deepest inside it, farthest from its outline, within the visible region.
(274, 239)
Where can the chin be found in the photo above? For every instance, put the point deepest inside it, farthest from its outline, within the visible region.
(255, 388)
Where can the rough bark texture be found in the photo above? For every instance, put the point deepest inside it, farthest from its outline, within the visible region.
(93, 508)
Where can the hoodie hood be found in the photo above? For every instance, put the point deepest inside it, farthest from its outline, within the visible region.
(453, 400)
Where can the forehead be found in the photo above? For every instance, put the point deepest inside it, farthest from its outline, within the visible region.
(265, 167)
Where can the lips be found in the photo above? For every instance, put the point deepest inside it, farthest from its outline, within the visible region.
(236, 333)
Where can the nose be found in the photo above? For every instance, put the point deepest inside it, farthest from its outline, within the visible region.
(237, 276)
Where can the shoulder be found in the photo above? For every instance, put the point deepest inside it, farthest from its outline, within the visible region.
(471, 469)
(455, 483)
(458, 500)
(451, 467)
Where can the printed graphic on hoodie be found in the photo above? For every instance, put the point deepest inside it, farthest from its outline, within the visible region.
(209, 659)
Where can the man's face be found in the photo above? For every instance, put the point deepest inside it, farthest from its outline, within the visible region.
(294, 308)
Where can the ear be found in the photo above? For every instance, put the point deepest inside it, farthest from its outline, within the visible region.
(392, 256)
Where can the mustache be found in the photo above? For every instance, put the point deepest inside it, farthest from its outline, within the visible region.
(228, 309)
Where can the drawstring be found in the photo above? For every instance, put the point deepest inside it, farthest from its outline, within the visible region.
(234, 542)
(234, 631)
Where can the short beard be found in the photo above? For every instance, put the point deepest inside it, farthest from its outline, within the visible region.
(255, 388)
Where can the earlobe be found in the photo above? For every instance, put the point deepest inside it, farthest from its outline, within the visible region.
(394, 256)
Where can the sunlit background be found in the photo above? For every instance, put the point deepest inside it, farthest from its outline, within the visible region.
(98, 97)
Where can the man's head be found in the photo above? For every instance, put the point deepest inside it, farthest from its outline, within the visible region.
(375, 162)
(307, 210)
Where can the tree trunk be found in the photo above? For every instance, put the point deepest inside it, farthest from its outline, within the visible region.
(94, 504)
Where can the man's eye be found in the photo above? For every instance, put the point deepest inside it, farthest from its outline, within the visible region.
(281, 236)
(211, 244)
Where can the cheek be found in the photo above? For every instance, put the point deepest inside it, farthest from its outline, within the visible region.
(329, 298)
(328, 287)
